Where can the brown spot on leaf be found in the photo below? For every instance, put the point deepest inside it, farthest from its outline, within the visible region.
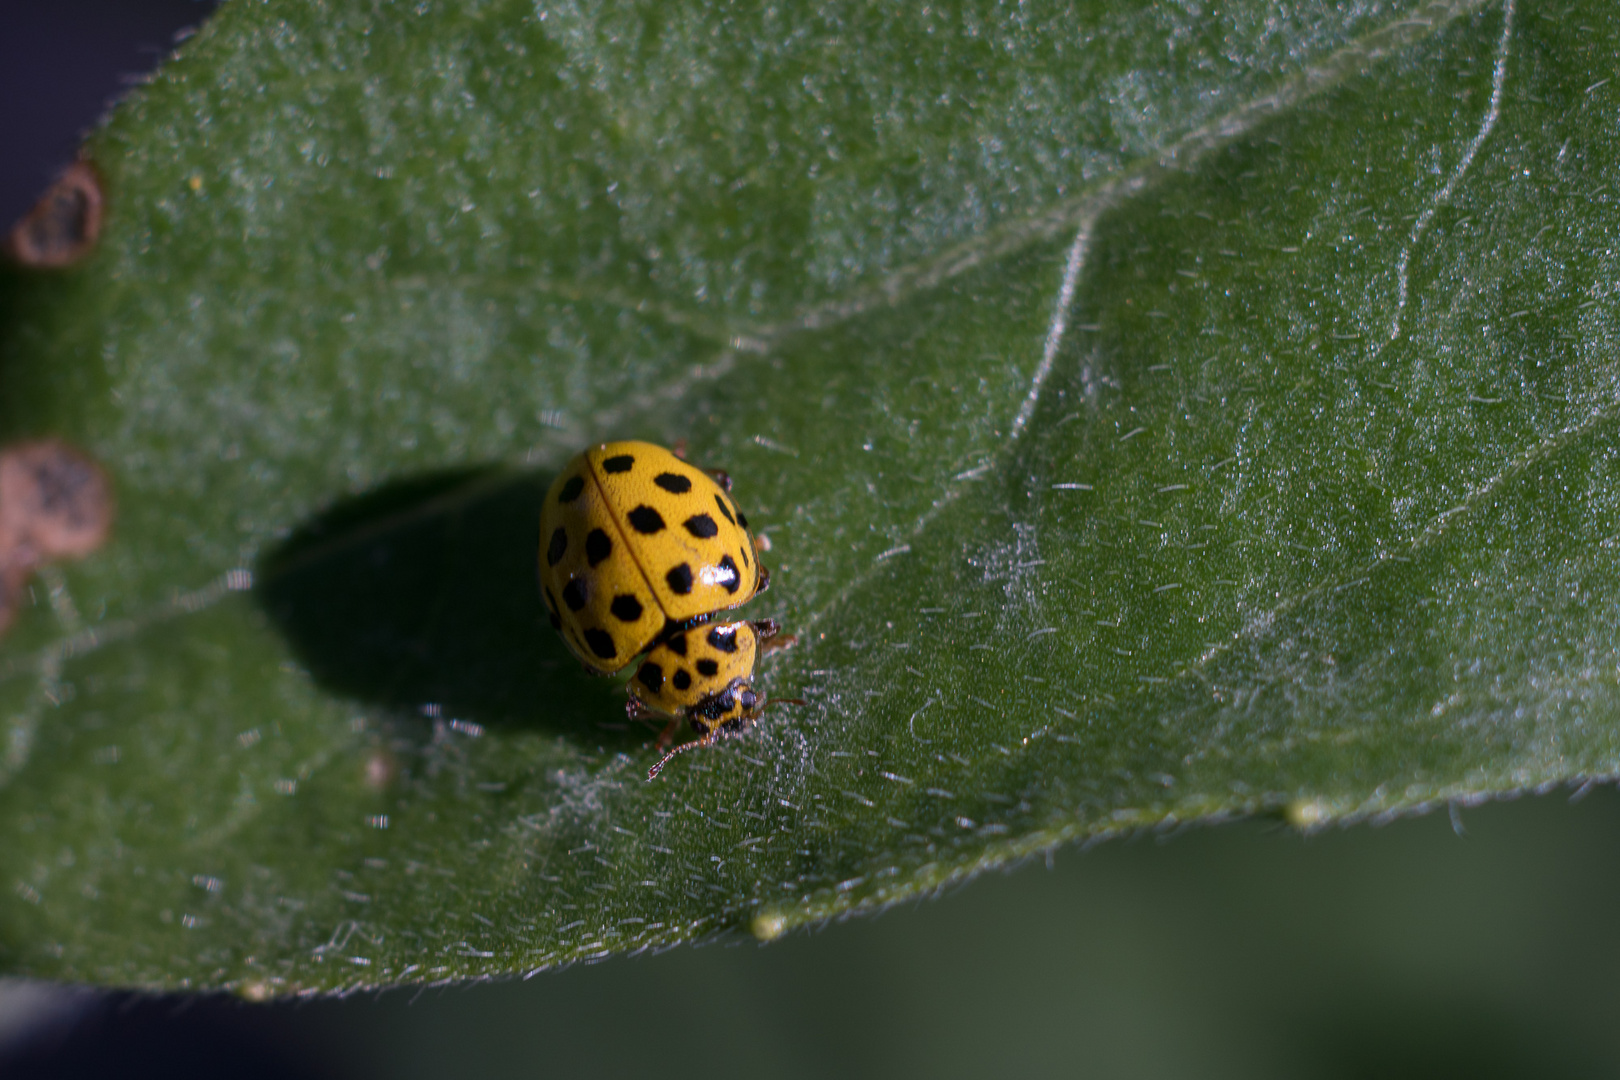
(63, 226)
(55, 503)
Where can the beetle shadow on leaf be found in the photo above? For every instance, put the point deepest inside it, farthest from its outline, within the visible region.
(424, 592)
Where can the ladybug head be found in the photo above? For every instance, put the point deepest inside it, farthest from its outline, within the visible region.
(731, 709)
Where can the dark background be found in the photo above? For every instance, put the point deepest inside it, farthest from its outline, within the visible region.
(1483, 946)
(62, 63)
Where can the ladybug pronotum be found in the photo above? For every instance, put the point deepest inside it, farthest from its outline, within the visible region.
(637, 550)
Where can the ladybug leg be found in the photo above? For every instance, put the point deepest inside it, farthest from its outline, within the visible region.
(636, 709)
(771, 638)
(777, 644)
(667, 736)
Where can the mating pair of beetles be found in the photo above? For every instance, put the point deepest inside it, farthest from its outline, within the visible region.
(639, 551)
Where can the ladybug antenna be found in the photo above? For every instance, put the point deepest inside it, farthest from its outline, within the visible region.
(652, 773)
(708, 740)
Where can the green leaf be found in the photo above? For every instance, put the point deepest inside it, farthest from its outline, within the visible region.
(1157, 414)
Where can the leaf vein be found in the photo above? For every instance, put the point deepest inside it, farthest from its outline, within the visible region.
(1083, 212)
(1492, 111)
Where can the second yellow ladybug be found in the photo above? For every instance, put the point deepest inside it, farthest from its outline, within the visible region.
(635, 544)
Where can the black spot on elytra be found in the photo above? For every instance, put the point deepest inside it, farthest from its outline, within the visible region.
(574, 594)
(618, 464)
(701, 526)
(558, 546)
(742, 520)
(651, 676)
(646, 520)
(601, 643)
(734, 582)
(725, 511)
(674, 483)
(744, 555)
(683, 679)
(551, 610)
(680, 579)
(708, 668)
(677, 644)
(625, 608)
(597, 546)
(570, 491)
(723, 640)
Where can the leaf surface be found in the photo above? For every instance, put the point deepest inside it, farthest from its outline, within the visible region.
(1156, 414)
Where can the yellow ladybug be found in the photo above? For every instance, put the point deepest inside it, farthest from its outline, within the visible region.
(638, 551)
(636, 544)
(704, 675)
